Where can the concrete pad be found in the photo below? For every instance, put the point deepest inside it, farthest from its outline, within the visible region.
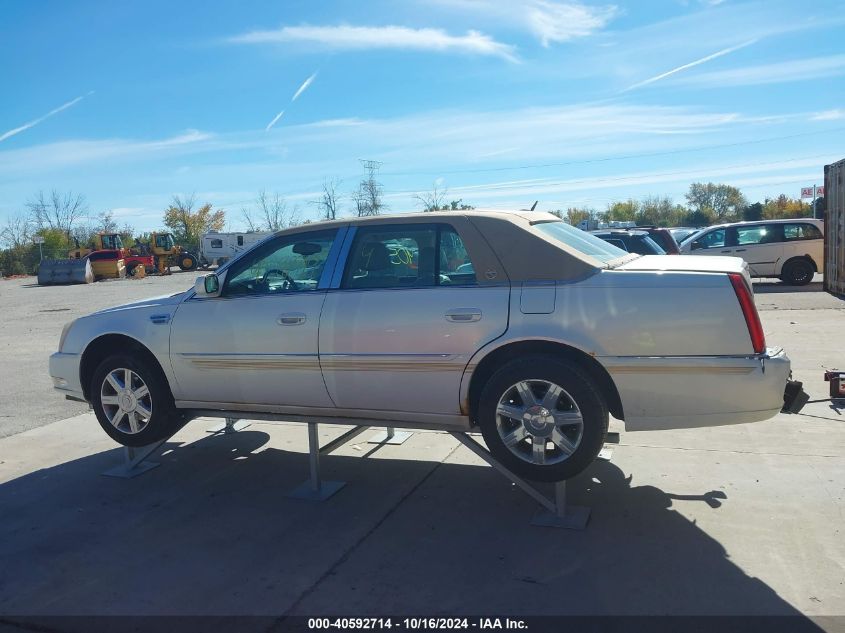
(210, 531)
(673, 531)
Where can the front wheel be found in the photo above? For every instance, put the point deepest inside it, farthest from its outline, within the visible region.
(543, 418)
(187, 262)
(132, 401)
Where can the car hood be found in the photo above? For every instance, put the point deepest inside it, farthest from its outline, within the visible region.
(687, 263)
(163, 300)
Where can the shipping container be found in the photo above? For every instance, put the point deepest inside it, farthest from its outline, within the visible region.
(834, 230)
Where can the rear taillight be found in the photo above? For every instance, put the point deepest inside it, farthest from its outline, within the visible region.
(749, 311)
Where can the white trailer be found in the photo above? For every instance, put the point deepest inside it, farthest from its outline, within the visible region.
(218, 248)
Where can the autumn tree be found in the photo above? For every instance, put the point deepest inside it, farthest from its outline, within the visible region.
(785, 207)
(722, 202)
(188, 224)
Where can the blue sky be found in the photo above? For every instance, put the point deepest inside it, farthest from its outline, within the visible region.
(500, 102)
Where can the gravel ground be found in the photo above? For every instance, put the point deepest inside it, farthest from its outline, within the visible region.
(31, 322)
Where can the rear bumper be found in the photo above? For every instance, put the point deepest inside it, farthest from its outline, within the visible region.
(64, 370)
(674, 392)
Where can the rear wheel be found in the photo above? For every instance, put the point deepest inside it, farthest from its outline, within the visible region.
(543, 418)
(132, 401)
(797, 272)
(130, 270)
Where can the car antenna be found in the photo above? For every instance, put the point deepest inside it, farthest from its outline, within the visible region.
(534, 206)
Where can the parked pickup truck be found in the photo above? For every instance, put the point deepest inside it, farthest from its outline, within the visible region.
(516, 324)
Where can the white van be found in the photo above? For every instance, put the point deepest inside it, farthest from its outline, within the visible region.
(792, 250)
(217, 248)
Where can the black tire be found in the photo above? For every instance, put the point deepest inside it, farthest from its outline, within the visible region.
(187, 262)
(798, 272)
(165, 419)
(578, 389)
(130, 270)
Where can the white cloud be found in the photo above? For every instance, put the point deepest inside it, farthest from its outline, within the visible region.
(829, 115)
(345, 37)
(63, 154)
(697, 62)
(779, 72)
(35, 122)
(561, 21)
(550, 21)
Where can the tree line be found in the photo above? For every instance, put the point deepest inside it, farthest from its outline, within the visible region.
(706, 204)
(64, 221)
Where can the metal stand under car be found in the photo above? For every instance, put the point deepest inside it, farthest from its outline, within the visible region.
(555, 513)
(390, 436)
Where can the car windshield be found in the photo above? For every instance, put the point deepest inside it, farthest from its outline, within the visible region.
(581, 240)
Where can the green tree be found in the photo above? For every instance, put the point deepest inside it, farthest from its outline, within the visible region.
(784, 207)
(626, 211)
(187, 224)
(723, 202)
(753, 212)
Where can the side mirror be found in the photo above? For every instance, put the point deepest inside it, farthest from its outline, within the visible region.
(695, 246)
(207, 286)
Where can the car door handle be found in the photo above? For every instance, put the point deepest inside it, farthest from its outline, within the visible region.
(741, 250)
(463, 315)
(727, 251)
(291, 318)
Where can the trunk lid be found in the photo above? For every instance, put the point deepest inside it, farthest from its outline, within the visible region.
(690, 263)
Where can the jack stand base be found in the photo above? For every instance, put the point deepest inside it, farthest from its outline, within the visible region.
(390, 436)
(134, 463)
(306, 490)
(576, 518)
(231, 425)
(606, 453)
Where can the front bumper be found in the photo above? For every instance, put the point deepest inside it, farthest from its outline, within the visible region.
(64, 370)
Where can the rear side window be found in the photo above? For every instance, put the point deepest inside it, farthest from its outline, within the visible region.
(761, 234)
(801, 231)
(409, 255)
(582, 241)
(216, 243)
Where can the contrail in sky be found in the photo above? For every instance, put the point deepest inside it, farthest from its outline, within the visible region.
(273, 122)
(299, 91)
(35, 122)
(304, 87)
(720, 53)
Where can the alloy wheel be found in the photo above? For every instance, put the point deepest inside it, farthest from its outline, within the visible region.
(126, 401)
(539, 422)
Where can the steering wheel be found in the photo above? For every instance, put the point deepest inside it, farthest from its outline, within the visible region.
(291, 283)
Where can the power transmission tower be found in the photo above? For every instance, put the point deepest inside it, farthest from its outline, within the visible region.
(368, 198)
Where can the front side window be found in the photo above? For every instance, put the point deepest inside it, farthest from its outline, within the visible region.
(713, 239)
(292, 263)
(753, 235)
(410, 255)
(801, 231)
